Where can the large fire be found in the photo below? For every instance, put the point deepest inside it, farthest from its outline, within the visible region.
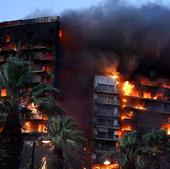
(127, 88)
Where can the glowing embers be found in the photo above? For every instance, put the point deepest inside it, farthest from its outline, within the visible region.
(126, 128)
(140, 107)
(147, 95)
(159, 96)
(127, 88)
(127, 115)
(105, 166)
(33, 108)
(124, 102)
(36, 114)
(166, 127)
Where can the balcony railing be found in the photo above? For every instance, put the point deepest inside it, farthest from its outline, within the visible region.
(108, 125)
(106, 89)
(106, 101)
(109, 137)
(104, 148)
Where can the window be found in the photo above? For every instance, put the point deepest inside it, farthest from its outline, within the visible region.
(3, 92)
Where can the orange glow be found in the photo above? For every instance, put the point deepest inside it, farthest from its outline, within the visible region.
(127, 88)
(141, 107)
(128, 115)
(115, 76)
(7, 38)
(147, 95)
(126, 128)
(125, 100)
(33, 126)
(33, 108)
(158, 96)
(166, 127)
(60, 34)
(103, 166)
(3, 92)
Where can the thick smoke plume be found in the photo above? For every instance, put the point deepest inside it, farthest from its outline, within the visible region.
(109, 36)
(133, 39)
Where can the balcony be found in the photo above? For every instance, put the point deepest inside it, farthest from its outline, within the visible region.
(37, 79)
(46, 56)
(106, 112)
(36, 68)
(104, 148)
(106, 137)
(110, 89)
(106, 101)
(27, 46)
(107, 125)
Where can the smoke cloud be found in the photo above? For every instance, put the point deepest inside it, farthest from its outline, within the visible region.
(132, 37)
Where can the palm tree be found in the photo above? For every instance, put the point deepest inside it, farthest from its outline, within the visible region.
(129, 152)
(68, 142)
(156, 147)
(15, 77)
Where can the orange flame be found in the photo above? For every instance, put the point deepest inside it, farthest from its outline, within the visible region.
(140, 107)
(127, 115)
(127, 128)
(127, 88)
(147, 95)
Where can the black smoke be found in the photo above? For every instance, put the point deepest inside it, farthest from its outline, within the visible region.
(133, 40)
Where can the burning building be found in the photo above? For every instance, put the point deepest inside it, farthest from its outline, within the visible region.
(122, 106)
(35, 41)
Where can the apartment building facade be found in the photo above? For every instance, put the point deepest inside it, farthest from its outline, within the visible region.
(106, 116)
(37, 42)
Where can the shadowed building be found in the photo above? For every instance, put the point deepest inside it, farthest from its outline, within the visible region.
(35, 41)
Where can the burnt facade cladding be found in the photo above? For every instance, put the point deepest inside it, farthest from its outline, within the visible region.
(35, 41)
(149, 110)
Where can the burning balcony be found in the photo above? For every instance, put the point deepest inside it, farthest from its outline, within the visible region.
(34, 126)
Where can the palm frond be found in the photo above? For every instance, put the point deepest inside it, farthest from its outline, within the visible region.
(42, 90)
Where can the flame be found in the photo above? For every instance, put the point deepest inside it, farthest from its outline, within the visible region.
(127, 88)
(103, 166)
(125, 100)
(33, 108)
(141, 107)
(33, 126)
(115, 76)
(147, 95)
(126, 128)
(166, 127)
(158, 96)
(127, 115)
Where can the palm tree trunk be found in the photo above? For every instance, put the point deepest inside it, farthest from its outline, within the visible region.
(11, 143)
(59, 158)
